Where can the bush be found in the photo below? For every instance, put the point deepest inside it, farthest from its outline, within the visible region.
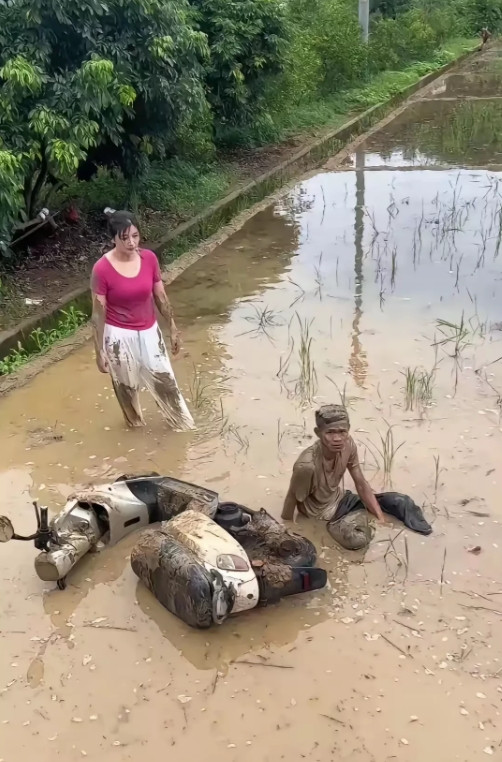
(406, 38)
(246, 42)
(181, 187)
(108, 187)
(153, 86)
(74, 76)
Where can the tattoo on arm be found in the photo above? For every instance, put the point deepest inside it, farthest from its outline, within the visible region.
(164, 307)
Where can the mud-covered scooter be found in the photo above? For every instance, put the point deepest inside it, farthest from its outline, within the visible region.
(204, 561)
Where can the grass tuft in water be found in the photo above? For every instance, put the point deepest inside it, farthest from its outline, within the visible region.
(199, 387)
(418, 388)
(456, 336)
(263, 320)
(387, 450)
(306, 385)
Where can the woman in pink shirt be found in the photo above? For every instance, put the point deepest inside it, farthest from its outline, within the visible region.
(126, 284)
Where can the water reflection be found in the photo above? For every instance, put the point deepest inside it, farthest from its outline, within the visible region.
(440, 132)
(357, 363)
(247, 633)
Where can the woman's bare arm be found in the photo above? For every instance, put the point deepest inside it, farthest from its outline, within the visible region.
(98, 325)
(164, 307)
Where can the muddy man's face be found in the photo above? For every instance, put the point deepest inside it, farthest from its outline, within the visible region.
(128, 242)
(333, 437)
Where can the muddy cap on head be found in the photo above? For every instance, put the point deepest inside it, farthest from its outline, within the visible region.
(332, 415)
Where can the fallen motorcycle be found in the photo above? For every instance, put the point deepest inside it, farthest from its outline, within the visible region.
(204, 560)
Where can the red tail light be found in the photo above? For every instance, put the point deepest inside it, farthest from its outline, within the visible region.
(306, 581)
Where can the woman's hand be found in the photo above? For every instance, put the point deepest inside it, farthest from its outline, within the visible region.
(102, 362)
(175, 341)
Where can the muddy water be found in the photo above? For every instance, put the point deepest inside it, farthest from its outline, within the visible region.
(362, 265)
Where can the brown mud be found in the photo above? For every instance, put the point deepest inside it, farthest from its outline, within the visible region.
(342, 288)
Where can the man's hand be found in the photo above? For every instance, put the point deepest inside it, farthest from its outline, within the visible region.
(175, 342)
(102, 362)
(383, 521)
(366, 494)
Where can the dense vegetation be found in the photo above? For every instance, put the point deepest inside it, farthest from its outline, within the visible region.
(143, 92)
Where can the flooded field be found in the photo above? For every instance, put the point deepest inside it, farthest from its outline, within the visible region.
(377, 282)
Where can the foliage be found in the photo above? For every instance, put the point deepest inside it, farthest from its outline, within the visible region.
(77, 75)
(246, 42)
(150, 89)
(40, 341)
(108, 187)
(325, 51)
(388, 8)
(182, 188)
(176, 188)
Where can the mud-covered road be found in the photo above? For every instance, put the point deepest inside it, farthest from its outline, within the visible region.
(377, 275)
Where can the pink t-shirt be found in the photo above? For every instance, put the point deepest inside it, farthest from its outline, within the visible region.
(129, 301)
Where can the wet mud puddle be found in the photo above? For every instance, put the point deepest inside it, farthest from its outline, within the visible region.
(378, 284)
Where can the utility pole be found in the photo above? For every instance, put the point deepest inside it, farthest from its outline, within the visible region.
(364, 18)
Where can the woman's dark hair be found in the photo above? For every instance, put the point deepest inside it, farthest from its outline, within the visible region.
(120, 222)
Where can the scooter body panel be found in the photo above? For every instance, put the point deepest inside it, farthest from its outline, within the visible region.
(124, 512)
(209, 543)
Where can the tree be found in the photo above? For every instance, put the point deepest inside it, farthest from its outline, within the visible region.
(247, 40)
(75, 75)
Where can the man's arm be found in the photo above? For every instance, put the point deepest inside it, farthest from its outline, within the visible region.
(166, 310)
(365, 492)
(299, 489)
(288, 510)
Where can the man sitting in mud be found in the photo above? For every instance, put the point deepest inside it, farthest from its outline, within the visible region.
(316, 492)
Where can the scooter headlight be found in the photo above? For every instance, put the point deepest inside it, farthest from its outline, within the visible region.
(228, 562)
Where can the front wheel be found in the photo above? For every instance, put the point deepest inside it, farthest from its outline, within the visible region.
(61, 583)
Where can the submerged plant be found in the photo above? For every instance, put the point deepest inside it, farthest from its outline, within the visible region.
(418, 387)
(234, 433)
(437, 472)
(386, 450)
(319, 280)
(456, 336)
(306, 385)
(199, 390)
(344, 399)
(263, 319)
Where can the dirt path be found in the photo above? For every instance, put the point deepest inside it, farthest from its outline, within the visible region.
(398, 658)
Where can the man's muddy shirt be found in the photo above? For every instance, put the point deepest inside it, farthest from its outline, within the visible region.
(316, 482)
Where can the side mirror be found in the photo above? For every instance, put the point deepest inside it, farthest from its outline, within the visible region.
(6, 529)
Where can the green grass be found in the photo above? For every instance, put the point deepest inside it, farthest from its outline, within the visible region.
(333, 110)
(40, 341)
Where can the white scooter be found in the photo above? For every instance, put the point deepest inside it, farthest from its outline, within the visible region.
(204, 561)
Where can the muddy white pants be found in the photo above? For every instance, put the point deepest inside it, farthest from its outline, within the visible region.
(137, 358)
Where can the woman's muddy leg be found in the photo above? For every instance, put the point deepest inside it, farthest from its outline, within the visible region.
(157, 375)
(124, 372)
(128, 399)
(164, 389)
